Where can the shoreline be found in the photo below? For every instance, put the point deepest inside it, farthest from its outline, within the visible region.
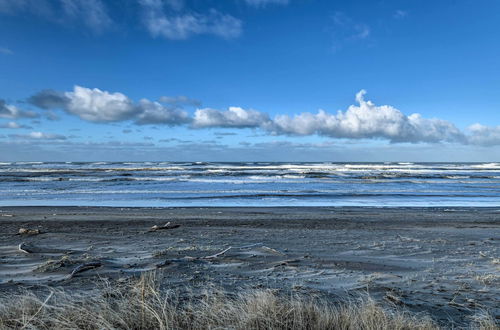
(440, 261)
(300, 207)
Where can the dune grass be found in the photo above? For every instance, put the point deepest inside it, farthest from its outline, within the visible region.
(141, 304)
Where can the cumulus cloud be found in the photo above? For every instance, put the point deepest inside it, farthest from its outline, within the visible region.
(176, 25)
(233, 117)
(484, 135)
(367, 120)
(263, 3)
(363, 120)
(38, 136)
(13, 112)
(100, 106)
(155, 113)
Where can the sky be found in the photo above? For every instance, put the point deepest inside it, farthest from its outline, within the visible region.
(249, 80)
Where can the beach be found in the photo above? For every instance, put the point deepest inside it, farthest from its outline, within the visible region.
(443, 262)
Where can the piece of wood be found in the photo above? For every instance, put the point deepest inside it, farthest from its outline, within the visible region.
(217, 254)
(24, 248)
(273, 251)
(168, 225)
(26, 231)
(85, 267)
(29, 248)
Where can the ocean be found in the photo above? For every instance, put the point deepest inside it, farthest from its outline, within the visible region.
(185, 184)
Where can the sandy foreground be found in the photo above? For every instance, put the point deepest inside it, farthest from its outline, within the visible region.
(444, 262)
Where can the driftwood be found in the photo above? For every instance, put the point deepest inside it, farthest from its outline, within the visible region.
(217, 254)
(271, 250)
(168, 225)
(209, 257)
(192, 259)
(25, 248)
(26, 231)
(85, 267)
(28, 248)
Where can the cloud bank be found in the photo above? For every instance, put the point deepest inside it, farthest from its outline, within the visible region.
(363, 120)
(368, 121)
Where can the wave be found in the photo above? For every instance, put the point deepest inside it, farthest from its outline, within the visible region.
(487, 165)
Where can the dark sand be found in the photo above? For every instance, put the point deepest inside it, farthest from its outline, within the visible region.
(440, 261)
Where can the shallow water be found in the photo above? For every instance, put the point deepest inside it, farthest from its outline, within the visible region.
(249, 184)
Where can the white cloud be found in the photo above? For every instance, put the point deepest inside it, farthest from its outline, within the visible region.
(263, 3)
(366, 120)
(233, 117)
(184, 25)
(484, 135)
(99, 106)
(13, 112)
(363, 120)
(155, 113)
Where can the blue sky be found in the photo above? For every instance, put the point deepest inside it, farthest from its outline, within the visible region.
(249, 80)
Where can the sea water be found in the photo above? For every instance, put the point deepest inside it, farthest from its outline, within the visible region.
(165, 184)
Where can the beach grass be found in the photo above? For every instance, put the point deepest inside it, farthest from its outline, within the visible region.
(143, 304)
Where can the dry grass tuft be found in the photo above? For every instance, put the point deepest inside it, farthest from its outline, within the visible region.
(143, 305)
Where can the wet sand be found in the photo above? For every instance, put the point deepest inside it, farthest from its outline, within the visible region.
(441, 261)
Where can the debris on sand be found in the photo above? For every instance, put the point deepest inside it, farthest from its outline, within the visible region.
(217, 254)
(29, 248)
(24, 248)
(84, 267)
(168, 225)
(28, 232)
(63, 262)
(393, 299)
(271, 250)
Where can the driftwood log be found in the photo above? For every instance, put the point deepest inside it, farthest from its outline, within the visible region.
(26, 231)
(84, 267)
(168, 225)
(25, 248)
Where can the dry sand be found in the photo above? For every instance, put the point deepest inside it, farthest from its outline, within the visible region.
(444, 262)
